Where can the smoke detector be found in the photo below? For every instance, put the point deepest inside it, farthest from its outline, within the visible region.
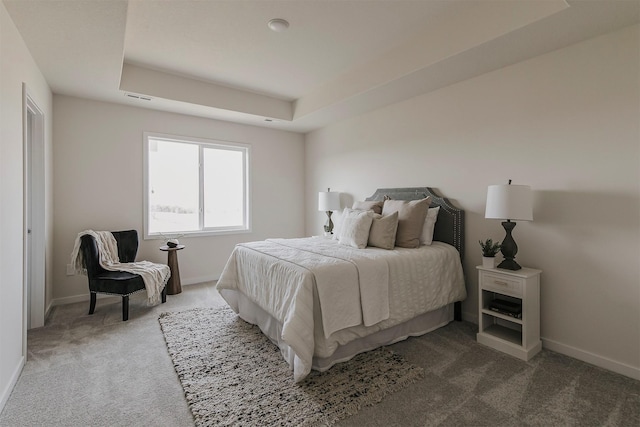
(278, 25)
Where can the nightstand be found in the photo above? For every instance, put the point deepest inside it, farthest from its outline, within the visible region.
(509, 310)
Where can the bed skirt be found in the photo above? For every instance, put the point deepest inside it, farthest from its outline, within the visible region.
(272, 328)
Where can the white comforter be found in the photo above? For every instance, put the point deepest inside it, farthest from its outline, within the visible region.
(358, 290)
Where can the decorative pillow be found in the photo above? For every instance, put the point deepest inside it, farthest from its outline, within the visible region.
(376, 207)
(383, 231)
(411, 217)
(426, 238)
(355, 226)
(337, 223)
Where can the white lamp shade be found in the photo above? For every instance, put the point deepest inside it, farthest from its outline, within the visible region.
(328, 201)
(509, 202)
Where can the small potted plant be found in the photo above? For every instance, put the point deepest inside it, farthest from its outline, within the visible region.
(489, 251)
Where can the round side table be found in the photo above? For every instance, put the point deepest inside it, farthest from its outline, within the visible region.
(173, 285)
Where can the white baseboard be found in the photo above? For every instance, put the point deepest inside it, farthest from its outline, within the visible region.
(12, 383)
(78, 298)
(593, 359)
(198, 280)
(576, 353)
(85, 297)
(47, 312)
(470, 317)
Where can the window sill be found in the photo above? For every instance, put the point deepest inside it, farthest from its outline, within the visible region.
(200, 233)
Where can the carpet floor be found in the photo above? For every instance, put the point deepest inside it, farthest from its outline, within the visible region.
(233, 374)
(99, 371)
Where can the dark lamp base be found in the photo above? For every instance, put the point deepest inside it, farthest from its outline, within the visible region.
(509, 264)
(328, 228)
(509, 248)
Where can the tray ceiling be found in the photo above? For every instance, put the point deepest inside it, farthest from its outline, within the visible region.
(218, 59)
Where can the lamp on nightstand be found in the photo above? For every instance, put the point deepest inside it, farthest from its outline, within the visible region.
(510, 202)
(328, 201)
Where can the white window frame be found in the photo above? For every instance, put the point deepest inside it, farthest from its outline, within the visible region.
(202, 143)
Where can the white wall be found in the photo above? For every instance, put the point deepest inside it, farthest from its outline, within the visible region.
(17, 66)
(98, 184)
(566, 123)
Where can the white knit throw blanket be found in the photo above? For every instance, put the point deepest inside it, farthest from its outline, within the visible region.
(155, 276)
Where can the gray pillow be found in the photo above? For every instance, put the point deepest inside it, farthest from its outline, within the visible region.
(376, 207)
(383, 231)
(411, 217)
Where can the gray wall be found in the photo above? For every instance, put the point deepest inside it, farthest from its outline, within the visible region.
(98, 163)
(565, 123)
(18, 67)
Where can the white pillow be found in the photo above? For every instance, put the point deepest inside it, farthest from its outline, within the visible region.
(336, 218)
(426, 238)
(354, 228)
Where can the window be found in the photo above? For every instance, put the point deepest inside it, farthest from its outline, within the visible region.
(195, 186)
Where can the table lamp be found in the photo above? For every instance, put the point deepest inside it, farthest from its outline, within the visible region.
(510, 202)
(328, 201)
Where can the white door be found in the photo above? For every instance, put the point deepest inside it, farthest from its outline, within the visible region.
(28, 215)
(34, 214)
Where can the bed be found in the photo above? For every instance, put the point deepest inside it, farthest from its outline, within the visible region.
(323, 302)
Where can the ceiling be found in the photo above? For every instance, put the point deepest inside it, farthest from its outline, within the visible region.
(339, 58)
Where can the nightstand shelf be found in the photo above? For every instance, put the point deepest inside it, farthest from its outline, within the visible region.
(501, 316)
(506, 334)
(519, 337)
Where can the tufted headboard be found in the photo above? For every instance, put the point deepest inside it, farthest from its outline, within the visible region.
(450, 225)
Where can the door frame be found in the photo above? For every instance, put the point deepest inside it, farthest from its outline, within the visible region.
(34, 213)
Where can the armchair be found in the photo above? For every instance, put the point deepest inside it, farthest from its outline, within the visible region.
(113, 282)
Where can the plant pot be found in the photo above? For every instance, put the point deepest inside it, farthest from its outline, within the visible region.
(489, 262)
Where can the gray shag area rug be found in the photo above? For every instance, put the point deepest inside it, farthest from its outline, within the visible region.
(232, 374)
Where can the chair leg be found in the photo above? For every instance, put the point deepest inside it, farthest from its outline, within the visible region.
(125, 308)
(92, 303)
(164, 294)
